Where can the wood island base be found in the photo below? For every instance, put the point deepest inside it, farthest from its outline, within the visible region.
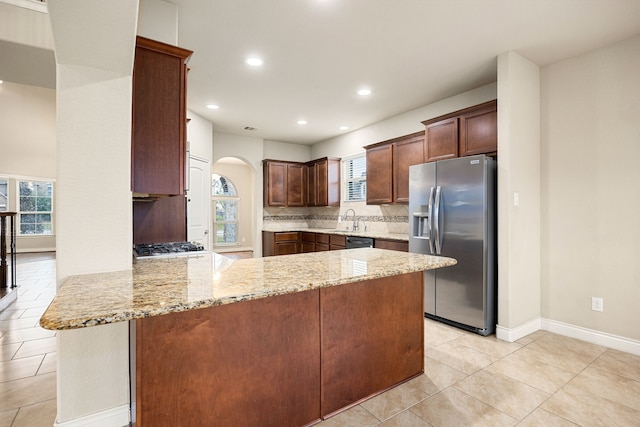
(286, 360)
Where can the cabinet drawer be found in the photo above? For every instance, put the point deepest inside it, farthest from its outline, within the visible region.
(308, 237)
(394, 245)
(322, 238)
(286, 248)
(286, 237)
(337, 240)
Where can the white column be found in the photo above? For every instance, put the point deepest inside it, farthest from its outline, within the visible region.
(519, 210)
(94, 45)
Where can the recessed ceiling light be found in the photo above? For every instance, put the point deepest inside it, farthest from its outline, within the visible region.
(302, 122)
(364, 92)
(212, 106)
(254, 61)
(1, 82)
(343, 127)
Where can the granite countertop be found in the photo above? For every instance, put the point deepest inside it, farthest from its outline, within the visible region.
(157, 286)
(372, 234)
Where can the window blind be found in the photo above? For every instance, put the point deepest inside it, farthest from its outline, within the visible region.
(355, 178)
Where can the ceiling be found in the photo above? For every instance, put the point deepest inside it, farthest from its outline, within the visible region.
(318, 53)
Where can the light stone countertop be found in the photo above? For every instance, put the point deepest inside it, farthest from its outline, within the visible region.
(157, 286)
(372, 234)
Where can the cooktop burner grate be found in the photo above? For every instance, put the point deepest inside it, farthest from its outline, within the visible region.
(153, 249)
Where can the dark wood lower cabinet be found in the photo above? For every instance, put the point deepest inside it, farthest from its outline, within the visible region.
(337, 242)
(280, 243)
(254, 363)
(372, 338)
(394, 245)
(288, 360)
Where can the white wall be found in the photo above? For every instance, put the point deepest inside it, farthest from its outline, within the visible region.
(402, 124)
(251, 151)
(591, 190)
(158, 20)
(518, 172)
(286, 151)
(28, 147)
(28, 123)
(25, 27)
(94, 43)
(200, 136)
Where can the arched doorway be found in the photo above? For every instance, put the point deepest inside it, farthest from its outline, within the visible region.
(233, 205)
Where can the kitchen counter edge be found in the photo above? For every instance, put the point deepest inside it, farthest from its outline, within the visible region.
(155, 287)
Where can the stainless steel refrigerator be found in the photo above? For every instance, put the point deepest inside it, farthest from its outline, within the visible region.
(452, 212)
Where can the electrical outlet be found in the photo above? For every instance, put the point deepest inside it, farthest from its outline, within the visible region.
(597, 304)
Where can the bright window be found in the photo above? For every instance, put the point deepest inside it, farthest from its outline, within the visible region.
(225, 205)
(35, 207)
(4, 194)
(354, 172)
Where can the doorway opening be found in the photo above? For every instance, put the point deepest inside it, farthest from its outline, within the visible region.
(232, 204)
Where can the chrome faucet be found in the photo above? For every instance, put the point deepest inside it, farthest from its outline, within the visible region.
(355, 220)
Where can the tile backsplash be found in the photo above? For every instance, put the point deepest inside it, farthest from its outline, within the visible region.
(378, 218)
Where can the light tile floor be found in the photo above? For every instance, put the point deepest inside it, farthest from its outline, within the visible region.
(542, 380)
(28, 352)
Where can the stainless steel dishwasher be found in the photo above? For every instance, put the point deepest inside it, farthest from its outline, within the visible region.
(358, 242)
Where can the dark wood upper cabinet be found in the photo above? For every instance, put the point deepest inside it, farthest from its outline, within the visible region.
(289, 184)
(479, 131)
(388, 168)
(275, 183)
(442, 139)
(158, 148)
(467, 132)
(379, 174)
(407, 151)
(296, 183)
(158, 142)
(323, 182)
(284, 183)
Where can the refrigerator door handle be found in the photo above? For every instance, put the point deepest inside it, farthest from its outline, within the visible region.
(430, 221)
(436, 221)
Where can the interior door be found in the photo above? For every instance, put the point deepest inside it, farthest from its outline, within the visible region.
(198, 201)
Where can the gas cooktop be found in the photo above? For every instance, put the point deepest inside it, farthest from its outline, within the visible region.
(166, 249)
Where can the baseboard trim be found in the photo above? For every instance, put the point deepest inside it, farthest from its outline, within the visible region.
(616, 342)
(514, 334)
(114, 417)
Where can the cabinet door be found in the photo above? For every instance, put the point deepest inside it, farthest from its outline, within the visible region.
(158, 146)
(442, 139)
(479, 131)
(380, 175)
(275, 184)
(312, 184)
(323, 182)
(322, 190)
(337, 242)
(405, 154)
(296, 182)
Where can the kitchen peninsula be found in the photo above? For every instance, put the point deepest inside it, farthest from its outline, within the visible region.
(276, 341)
